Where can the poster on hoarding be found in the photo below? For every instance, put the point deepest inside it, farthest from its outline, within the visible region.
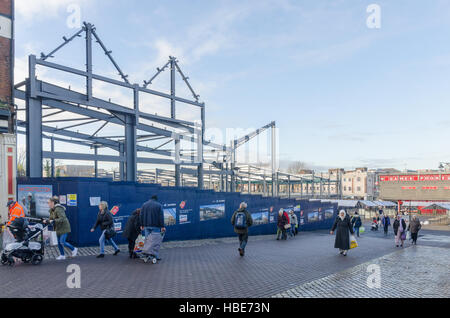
(184, 213)
(71, 200)
(261, 217)
(34, 199)
(313, 216)
(329, 213)
(212, 211)
(170, 214)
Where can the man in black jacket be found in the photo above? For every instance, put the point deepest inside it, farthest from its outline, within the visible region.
(152, 217)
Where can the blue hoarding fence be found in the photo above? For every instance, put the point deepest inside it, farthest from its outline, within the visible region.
(189, 213)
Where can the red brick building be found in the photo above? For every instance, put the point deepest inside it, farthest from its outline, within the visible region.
(6, 58)
(427, 186)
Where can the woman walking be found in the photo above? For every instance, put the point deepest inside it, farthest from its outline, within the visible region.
(281, 224)
(414, 227)
(132, 231)
(399, 228)
(343, 227)
(294, 222)
(61, 225)
(106, 223)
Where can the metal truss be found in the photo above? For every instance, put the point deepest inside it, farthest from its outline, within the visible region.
(61, 114)
(39, 95)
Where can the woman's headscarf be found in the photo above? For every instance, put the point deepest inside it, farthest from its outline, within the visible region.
(342, 216)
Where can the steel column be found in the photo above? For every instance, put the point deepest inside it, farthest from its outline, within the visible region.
(34, 123)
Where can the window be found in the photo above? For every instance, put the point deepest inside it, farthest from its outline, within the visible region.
(345, 188)
(358, 188)
(358, 179)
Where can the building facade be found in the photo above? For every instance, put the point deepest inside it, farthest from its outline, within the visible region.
(419, 186)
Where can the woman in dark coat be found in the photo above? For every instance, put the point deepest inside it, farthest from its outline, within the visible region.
(132, 231)
(281, 223)
(343, 226)
(399, 228)
(106, 223)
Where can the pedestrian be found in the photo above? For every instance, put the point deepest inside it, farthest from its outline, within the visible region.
(374, 225)
(152, 218)
(414, 227)
(242, 220)
(343, 227)
(15, 211)
(386, 223)
(61, 226)
(356, 223)
(281, 224)
(294, 223)
(399, 228)
(106, 223)
(132, 231)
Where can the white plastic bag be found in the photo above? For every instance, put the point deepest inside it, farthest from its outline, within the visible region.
(7, 238)
(53, 238)
(353, 243)
(408, 235)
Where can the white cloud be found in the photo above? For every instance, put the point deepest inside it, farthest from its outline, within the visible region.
(28, 10)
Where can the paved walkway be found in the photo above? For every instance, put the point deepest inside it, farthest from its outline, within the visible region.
(399, 277)
(213, 268)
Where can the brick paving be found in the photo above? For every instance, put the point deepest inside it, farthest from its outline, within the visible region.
(417, 271)
(204, 268)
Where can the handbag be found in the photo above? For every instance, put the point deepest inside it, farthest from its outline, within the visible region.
(110, 233)
(287, 226)
(403, 236)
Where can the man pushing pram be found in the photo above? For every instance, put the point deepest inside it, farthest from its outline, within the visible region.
(152, 223)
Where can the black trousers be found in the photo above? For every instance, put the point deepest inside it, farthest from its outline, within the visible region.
(131, 243)
(414, 237)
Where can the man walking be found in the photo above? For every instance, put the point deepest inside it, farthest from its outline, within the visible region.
(356, 222)
(152, 218)
(242, 220)
(386, 222)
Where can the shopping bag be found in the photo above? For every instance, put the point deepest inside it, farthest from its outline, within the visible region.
(53, 238)
(287, 226)
(408, 235)
(362, 229)
(8, 238)
(403, 236)
(139, 243)
(353, 242)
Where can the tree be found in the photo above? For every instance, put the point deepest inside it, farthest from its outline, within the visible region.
(47, 168)
(296, 167)
(21, 162)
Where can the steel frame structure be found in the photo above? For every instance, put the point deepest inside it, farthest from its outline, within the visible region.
(222, 175)
(38, 94)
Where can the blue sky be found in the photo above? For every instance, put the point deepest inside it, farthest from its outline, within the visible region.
(342, 94)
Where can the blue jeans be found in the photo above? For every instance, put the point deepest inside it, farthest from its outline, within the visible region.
(148, 230)
(357, 231)
(292, 229)
(62, 242)
(243, 238)
(102, 243)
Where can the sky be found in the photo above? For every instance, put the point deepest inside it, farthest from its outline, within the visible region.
(342, 94)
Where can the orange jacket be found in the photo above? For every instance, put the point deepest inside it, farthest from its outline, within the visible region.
(16, 211)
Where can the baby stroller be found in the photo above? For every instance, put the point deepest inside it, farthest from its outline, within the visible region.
(150, 249)
(24, 248)
(374, 226)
